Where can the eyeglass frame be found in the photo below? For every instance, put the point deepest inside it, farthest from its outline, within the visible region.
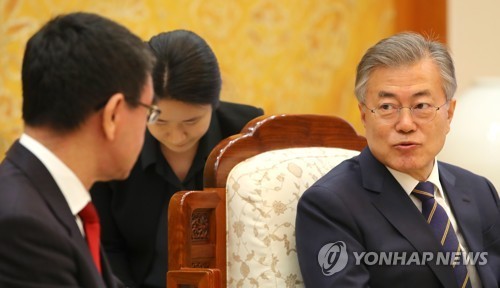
(411, 108)
(153, 112)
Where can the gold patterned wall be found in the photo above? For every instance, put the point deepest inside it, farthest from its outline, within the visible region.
(286, 56)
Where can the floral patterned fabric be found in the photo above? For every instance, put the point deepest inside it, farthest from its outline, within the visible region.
(262, 195)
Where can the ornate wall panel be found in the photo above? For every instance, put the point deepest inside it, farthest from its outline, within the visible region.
(288, 56)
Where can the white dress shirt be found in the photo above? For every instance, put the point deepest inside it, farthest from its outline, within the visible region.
(71, 187)
(409, 183)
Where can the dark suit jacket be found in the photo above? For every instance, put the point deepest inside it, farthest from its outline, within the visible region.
(131, 210)
(360, 203)
(40, 242)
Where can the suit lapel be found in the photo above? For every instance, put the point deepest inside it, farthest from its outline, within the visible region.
(463, 209)
(466, 214)
(392, 201)
(107, 273)
(45, 184)
(53, 197)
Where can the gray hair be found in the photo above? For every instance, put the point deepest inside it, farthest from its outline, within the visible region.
(405, 49)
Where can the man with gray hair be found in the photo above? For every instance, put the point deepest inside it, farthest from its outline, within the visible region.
(394, 216)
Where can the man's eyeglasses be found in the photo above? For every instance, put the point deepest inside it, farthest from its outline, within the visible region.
(153, 112)
(421, 112)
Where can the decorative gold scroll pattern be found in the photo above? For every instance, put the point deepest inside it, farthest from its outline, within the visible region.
(287, 56)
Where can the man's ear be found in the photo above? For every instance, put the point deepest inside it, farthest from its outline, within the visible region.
(362, 113)
(111, 115)
(451, 109)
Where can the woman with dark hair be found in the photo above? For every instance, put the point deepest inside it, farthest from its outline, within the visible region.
(192, 121)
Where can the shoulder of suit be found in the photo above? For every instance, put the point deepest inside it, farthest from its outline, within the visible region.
(232, 117)
(456, 169)
(239, 114)
(462, 176)
(237, 109)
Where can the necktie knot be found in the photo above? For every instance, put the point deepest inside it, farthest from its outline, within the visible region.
(424, 191)
(89, 214)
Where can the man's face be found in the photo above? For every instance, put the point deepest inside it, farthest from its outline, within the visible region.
(407, 144)
(181, 125)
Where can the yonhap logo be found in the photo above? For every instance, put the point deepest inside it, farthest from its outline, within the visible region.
(332, 258)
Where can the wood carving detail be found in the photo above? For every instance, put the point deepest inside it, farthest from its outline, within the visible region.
(200, 226)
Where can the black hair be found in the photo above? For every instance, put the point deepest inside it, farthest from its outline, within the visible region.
(186, 69)
(75, 63)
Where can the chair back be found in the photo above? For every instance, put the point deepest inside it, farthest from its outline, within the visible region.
(243, 221)
(275, 132)
(261, 201)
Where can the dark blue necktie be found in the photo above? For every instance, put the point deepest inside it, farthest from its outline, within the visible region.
(441, 226)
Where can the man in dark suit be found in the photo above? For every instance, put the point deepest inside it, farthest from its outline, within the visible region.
(85, 81)
(394, 216)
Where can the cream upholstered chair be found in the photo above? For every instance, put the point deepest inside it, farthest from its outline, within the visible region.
(261, 200)
(239, 231)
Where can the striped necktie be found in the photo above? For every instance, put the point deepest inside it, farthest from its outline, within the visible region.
(441, 226)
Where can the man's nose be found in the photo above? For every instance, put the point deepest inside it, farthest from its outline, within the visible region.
(405, 122)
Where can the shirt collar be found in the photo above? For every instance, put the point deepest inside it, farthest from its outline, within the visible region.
(71, 187)
(409, 183)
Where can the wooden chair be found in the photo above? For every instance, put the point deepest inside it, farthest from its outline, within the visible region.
(197, 219)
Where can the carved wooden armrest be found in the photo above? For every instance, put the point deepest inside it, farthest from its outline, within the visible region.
(194, 277)
(196, 236)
